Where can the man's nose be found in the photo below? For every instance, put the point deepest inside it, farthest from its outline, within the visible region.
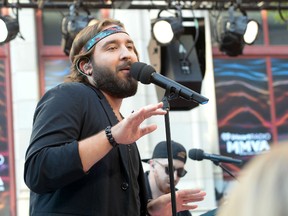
(175, 174)
(126, 53)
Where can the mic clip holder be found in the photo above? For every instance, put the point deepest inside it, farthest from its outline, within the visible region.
(171, 93)
(217, 163)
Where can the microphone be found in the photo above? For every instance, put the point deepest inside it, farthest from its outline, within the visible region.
(146, 74)
(199, 154)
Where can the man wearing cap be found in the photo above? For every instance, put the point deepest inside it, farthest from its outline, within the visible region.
(157, 178)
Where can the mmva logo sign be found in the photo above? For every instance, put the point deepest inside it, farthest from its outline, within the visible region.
(246, 144)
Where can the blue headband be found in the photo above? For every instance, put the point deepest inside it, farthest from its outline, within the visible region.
(100, 35)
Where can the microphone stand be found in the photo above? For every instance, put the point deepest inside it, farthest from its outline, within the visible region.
(170, 95)
(217, 163)
(167, 97)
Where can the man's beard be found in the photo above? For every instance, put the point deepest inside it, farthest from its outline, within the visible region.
(108, 81)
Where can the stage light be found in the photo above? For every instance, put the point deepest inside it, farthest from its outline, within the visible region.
(165, 29)
(9, 28)
(71, 25)
(251, 32)
(237, 32)
(183, 60)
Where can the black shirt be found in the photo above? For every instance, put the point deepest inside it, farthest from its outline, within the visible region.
(114, 186)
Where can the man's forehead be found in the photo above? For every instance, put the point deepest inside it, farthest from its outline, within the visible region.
(165, 161)
(115, 38)
(106, 32)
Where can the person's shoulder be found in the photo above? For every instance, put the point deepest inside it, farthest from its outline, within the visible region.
(72, 86)
(65, 96)
(74, 89)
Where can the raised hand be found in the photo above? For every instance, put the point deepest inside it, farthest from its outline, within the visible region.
(162, 206)
(130, 129)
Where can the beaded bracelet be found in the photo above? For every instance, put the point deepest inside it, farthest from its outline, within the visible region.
(110, 137)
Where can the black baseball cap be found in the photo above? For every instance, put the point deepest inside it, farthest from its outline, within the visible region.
(160, 151)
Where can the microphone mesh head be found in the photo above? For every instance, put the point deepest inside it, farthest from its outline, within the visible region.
(200, 154)
(145, 75)
(196, 154)
(136, 69)
(142, 72)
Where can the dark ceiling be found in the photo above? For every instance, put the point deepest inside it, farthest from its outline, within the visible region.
(149, 4)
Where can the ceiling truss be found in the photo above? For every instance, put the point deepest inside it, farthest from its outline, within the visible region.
(149, 4)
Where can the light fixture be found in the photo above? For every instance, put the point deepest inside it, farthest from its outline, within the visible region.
(182, 60)
(9, 28)
(165, 29)
(72, 24)
(237, 32)
(251, 32)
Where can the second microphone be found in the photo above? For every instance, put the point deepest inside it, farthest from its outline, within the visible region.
(199, 154)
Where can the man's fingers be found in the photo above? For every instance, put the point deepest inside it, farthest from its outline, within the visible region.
(185, 193)
(146, 112)
(148, 129)
(190, 195)
(188, 207)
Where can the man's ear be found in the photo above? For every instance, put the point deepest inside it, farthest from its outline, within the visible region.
(151, 162)
(85, 66)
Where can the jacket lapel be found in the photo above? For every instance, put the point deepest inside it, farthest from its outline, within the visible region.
(122, 149)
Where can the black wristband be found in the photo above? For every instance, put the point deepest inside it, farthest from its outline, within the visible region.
(110, 137)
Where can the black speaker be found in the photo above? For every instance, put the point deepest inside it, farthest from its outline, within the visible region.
(184, 62)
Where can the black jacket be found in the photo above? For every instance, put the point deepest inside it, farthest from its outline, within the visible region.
(115, 185)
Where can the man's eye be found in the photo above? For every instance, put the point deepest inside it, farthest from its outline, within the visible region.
(130, 47)
(112, 48)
